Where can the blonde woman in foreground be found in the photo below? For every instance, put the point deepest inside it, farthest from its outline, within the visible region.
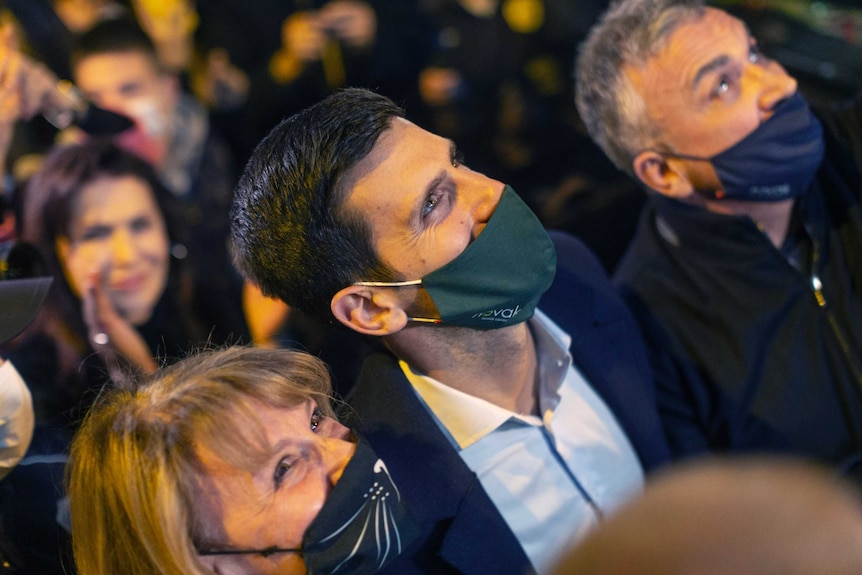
(230, 462)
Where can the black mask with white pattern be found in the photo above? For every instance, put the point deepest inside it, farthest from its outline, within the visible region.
(364, 523)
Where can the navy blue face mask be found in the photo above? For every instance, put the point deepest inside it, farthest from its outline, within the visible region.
(777, 161)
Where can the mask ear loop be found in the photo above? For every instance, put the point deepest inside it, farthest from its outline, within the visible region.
(389, 284)
(425, 320)
(263, 552)
(716, 195)
(402, 284)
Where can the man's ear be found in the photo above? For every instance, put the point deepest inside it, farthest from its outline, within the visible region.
(664, 175)
(369, 310)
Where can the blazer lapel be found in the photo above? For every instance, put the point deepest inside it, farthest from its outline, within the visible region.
(478, 541)
(437, 484)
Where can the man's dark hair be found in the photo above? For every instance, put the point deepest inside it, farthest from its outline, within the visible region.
(292, 235)
(112, 36)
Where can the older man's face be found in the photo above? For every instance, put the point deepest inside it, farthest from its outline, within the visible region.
(708, 88)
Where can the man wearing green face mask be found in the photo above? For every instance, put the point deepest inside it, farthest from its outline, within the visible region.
(511, 429)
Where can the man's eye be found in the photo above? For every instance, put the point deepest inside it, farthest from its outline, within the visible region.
(281, 470)
(754, 54)
(315, 419)
(131, 90)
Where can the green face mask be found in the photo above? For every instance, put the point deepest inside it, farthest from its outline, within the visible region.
(498, 279)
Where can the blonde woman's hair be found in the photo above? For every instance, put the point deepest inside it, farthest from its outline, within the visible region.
(133, 467)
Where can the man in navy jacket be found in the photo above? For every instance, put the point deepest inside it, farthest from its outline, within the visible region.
(746, 269)
(510, 430)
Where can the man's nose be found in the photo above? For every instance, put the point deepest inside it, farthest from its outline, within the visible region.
(484, 195)
(776, 85)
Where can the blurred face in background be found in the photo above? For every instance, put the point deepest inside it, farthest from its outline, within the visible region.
(118, 240)
(131, 83)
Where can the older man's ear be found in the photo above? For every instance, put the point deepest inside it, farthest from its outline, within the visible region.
(666, 176)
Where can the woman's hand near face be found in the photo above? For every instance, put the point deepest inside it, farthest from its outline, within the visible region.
(110, 334)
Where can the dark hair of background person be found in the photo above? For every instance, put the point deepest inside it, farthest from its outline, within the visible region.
(111, 36)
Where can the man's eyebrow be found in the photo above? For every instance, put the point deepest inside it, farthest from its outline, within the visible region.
(718, 61)
(708, 68)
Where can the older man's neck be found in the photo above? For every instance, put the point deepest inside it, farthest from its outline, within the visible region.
(773, 218)
(499, 366)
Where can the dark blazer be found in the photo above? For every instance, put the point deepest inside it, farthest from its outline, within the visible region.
(462, 531)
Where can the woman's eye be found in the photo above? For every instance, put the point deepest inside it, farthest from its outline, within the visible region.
(95, 233)
(722, 86)
(430, 203)
(141, 224)
(315, 419)
(281, 470)
(457, 158)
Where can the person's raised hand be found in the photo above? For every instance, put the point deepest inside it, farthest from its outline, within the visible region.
(220, 84)
(171, 25)
(111, 334)
(28, 87)
(303, 36)
(351, 21)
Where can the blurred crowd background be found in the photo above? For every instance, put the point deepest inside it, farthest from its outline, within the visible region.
(493, 75)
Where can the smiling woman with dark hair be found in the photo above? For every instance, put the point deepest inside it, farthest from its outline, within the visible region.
(99, 216)
(230, 461)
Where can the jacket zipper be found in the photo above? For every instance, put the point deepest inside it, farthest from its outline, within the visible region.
(838, 332)
(817, 287)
